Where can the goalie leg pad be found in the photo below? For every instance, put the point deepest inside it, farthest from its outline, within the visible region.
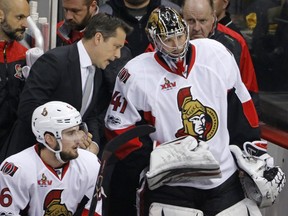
(159, 209)
(245, 207)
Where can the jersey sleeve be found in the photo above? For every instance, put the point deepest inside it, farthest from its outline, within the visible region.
(243, 122)
(123, 112)
(14, 195)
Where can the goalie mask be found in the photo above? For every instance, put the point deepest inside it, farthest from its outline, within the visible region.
(168, 32)
(54, 117)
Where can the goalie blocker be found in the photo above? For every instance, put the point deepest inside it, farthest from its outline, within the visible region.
(179, 161)
(261, 180)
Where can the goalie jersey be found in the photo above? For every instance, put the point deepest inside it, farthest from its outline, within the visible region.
(28, 186)
(192, 103)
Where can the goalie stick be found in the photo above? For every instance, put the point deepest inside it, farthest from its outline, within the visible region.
(110, 149)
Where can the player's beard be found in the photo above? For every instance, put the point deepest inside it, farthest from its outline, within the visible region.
(13, 34)
(66, 156)
(82, 25)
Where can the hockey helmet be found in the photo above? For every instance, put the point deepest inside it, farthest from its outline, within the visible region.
(165, 23)
(54, 117)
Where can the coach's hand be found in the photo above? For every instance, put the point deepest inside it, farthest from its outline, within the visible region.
(88, 144)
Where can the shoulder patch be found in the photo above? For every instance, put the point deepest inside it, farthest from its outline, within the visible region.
(124, 75)
(9, 168)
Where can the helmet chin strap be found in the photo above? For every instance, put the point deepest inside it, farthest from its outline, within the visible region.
(58, 156)
(57, 153)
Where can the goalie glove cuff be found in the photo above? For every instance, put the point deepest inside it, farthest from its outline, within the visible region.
(258, 150)
(260, 182)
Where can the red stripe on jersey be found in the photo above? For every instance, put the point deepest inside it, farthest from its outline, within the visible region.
(126, 148)
(149, 118)
(250, 113)
(86, 213)
(246, 65)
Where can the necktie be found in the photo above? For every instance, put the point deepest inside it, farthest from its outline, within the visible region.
(87, 89)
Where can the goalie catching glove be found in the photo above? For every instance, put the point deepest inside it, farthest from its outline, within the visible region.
(180, 161)
(261, 180)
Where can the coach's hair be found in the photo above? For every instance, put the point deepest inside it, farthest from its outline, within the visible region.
(106, 25)
(211, 3)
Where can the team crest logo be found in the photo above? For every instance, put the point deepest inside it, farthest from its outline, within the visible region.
(44, 182)
(198, 120)
(52, 204)
(167, 84)
(44, 112)
(18, 73)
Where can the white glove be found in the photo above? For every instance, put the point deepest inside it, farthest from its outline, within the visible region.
(261, 180)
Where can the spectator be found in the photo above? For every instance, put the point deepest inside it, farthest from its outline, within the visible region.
(13, 22)
(186, 78)
(223, 15)
(77, 14)
(136, 14)
(60, 74)
(202, 24)
(48, 172)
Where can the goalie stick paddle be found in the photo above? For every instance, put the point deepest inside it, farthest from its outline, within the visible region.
(109, 150)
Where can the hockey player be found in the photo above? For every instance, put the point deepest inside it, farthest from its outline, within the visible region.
(53, 177)
(182, 90)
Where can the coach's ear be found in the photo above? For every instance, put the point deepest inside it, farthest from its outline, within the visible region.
(98, 38)
(2, 15)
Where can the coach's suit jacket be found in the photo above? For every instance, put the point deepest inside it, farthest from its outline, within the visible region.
(56, 75)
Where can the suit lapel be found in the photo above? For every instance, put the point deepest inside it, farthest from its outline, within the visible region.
(75, 72)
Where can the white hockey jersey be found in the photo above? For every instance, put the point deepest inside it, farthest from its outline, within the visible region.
(194, 103)
(28, 185)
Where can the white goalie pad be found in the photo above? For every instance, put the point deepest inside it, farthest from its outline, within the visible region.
(159, 209)
(245, 207)
(261, 182)
(180, 161)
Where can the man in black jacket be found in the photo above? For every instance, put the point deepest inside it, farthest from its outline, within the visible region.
(136, 14)
(61, 73)
(13, 22)
(77, 14)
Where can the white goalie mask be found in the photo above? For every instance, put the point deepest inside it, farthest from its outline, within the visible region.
(166, 24)
(54, 117)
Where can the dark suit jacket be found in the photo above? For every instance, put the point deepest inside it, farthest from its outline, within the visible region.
(56, 75)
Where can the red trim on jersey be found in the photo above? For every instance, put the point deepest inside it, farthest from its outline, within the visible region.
(250, 113)
(86, 213)
(65, 166)
(246, 65)
(128, 147)
(14, 51)
(190, 64)
(149, 118)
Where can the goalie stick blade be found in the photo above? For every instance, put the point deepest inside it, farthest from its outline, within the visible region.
(130, 134)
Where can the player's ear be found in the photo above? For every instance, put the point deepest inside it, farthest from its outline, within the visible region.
(93, 7)
(50, 139)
